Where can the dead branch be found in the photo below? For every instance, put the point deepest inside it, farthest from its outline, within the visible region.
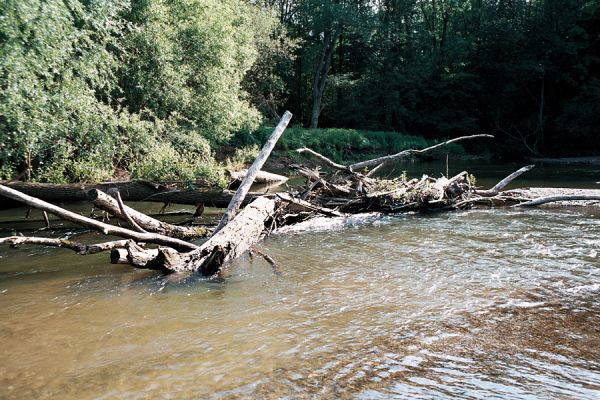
(274, 265)
(324, 159)
(109, 204)
(97, 225)
(405, 153)
(125, 214)
(502, 184)
(240, 194)
(78, 247)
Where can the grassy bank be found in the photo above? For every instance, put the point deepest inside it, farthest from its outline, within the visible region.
(343, 145)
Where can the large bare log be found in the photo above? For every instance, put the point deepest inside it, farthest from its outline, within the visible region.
(224, 246)
(78, 247)
(258, 163)
(91, 223)
(109, 204)
(553, 199)
(130, 191)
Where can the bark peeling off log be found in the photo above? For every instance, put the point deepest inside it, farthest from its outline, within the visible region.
(226, 245)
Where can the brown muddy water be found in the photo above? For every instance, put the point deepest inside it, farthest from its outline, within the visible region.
(476, 304)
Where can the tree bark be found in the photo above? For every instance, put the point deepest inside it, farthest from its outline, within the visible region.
(224, 246)
(321, 73)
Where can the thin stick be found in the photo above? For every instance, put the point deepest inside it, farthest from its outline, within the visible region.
(79, 248)
(46, 220)
(125, 214)
(276, 267)
(240, 194)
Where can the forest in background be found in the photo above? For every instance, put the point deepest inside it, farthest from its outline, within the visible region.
(151, 89)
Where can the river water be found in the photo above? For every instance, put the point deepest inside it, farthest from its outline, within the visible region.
(476, 304)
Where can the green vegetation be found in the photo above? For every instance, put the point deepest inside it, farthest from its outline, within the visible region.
(344, 145)
(94, 89)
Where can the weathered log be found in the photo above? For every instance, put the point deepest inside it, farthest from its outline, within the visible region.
(324, 159)
(258, 163)
(109, 204)
(224, 246)
(130, 191)
(78, 247)
(553, 199)
(91, 223)
(261, 176)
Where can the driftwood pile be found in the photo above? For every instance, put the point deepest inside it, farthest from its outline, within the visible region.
(342, 190)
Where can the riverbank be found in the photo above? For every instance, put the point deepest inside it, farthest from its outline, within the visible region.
(343, 145)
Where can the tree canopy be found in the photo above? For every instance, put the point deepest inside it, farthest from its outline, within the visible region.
(89, 88)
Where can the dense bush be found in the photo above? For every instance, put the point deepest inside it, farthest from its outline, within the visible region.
(88, 88)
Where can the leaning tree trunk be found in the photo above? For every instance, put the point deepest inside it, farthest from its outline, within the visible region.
(320, 77)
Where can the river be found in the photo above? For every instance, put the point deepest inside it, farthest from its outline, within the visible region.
(477, 304)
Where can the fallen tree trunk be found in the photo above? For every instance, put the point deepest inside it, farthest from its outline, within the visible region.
(226, 245)
(261, 177)
(130, 191)
(110, 205)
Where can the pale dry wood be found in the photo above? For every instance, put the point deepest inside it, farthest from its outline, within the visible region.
(124, 213)
(78, 247)
(229, 243)
(324, 159)
(109, 204)
(552, 199)
(261, 176)
(405, 153)
(504, 182)
(91, 223)
(258, 163)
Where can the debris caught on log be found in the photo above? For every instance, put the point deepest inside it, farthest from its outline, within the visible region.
(343, 191)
